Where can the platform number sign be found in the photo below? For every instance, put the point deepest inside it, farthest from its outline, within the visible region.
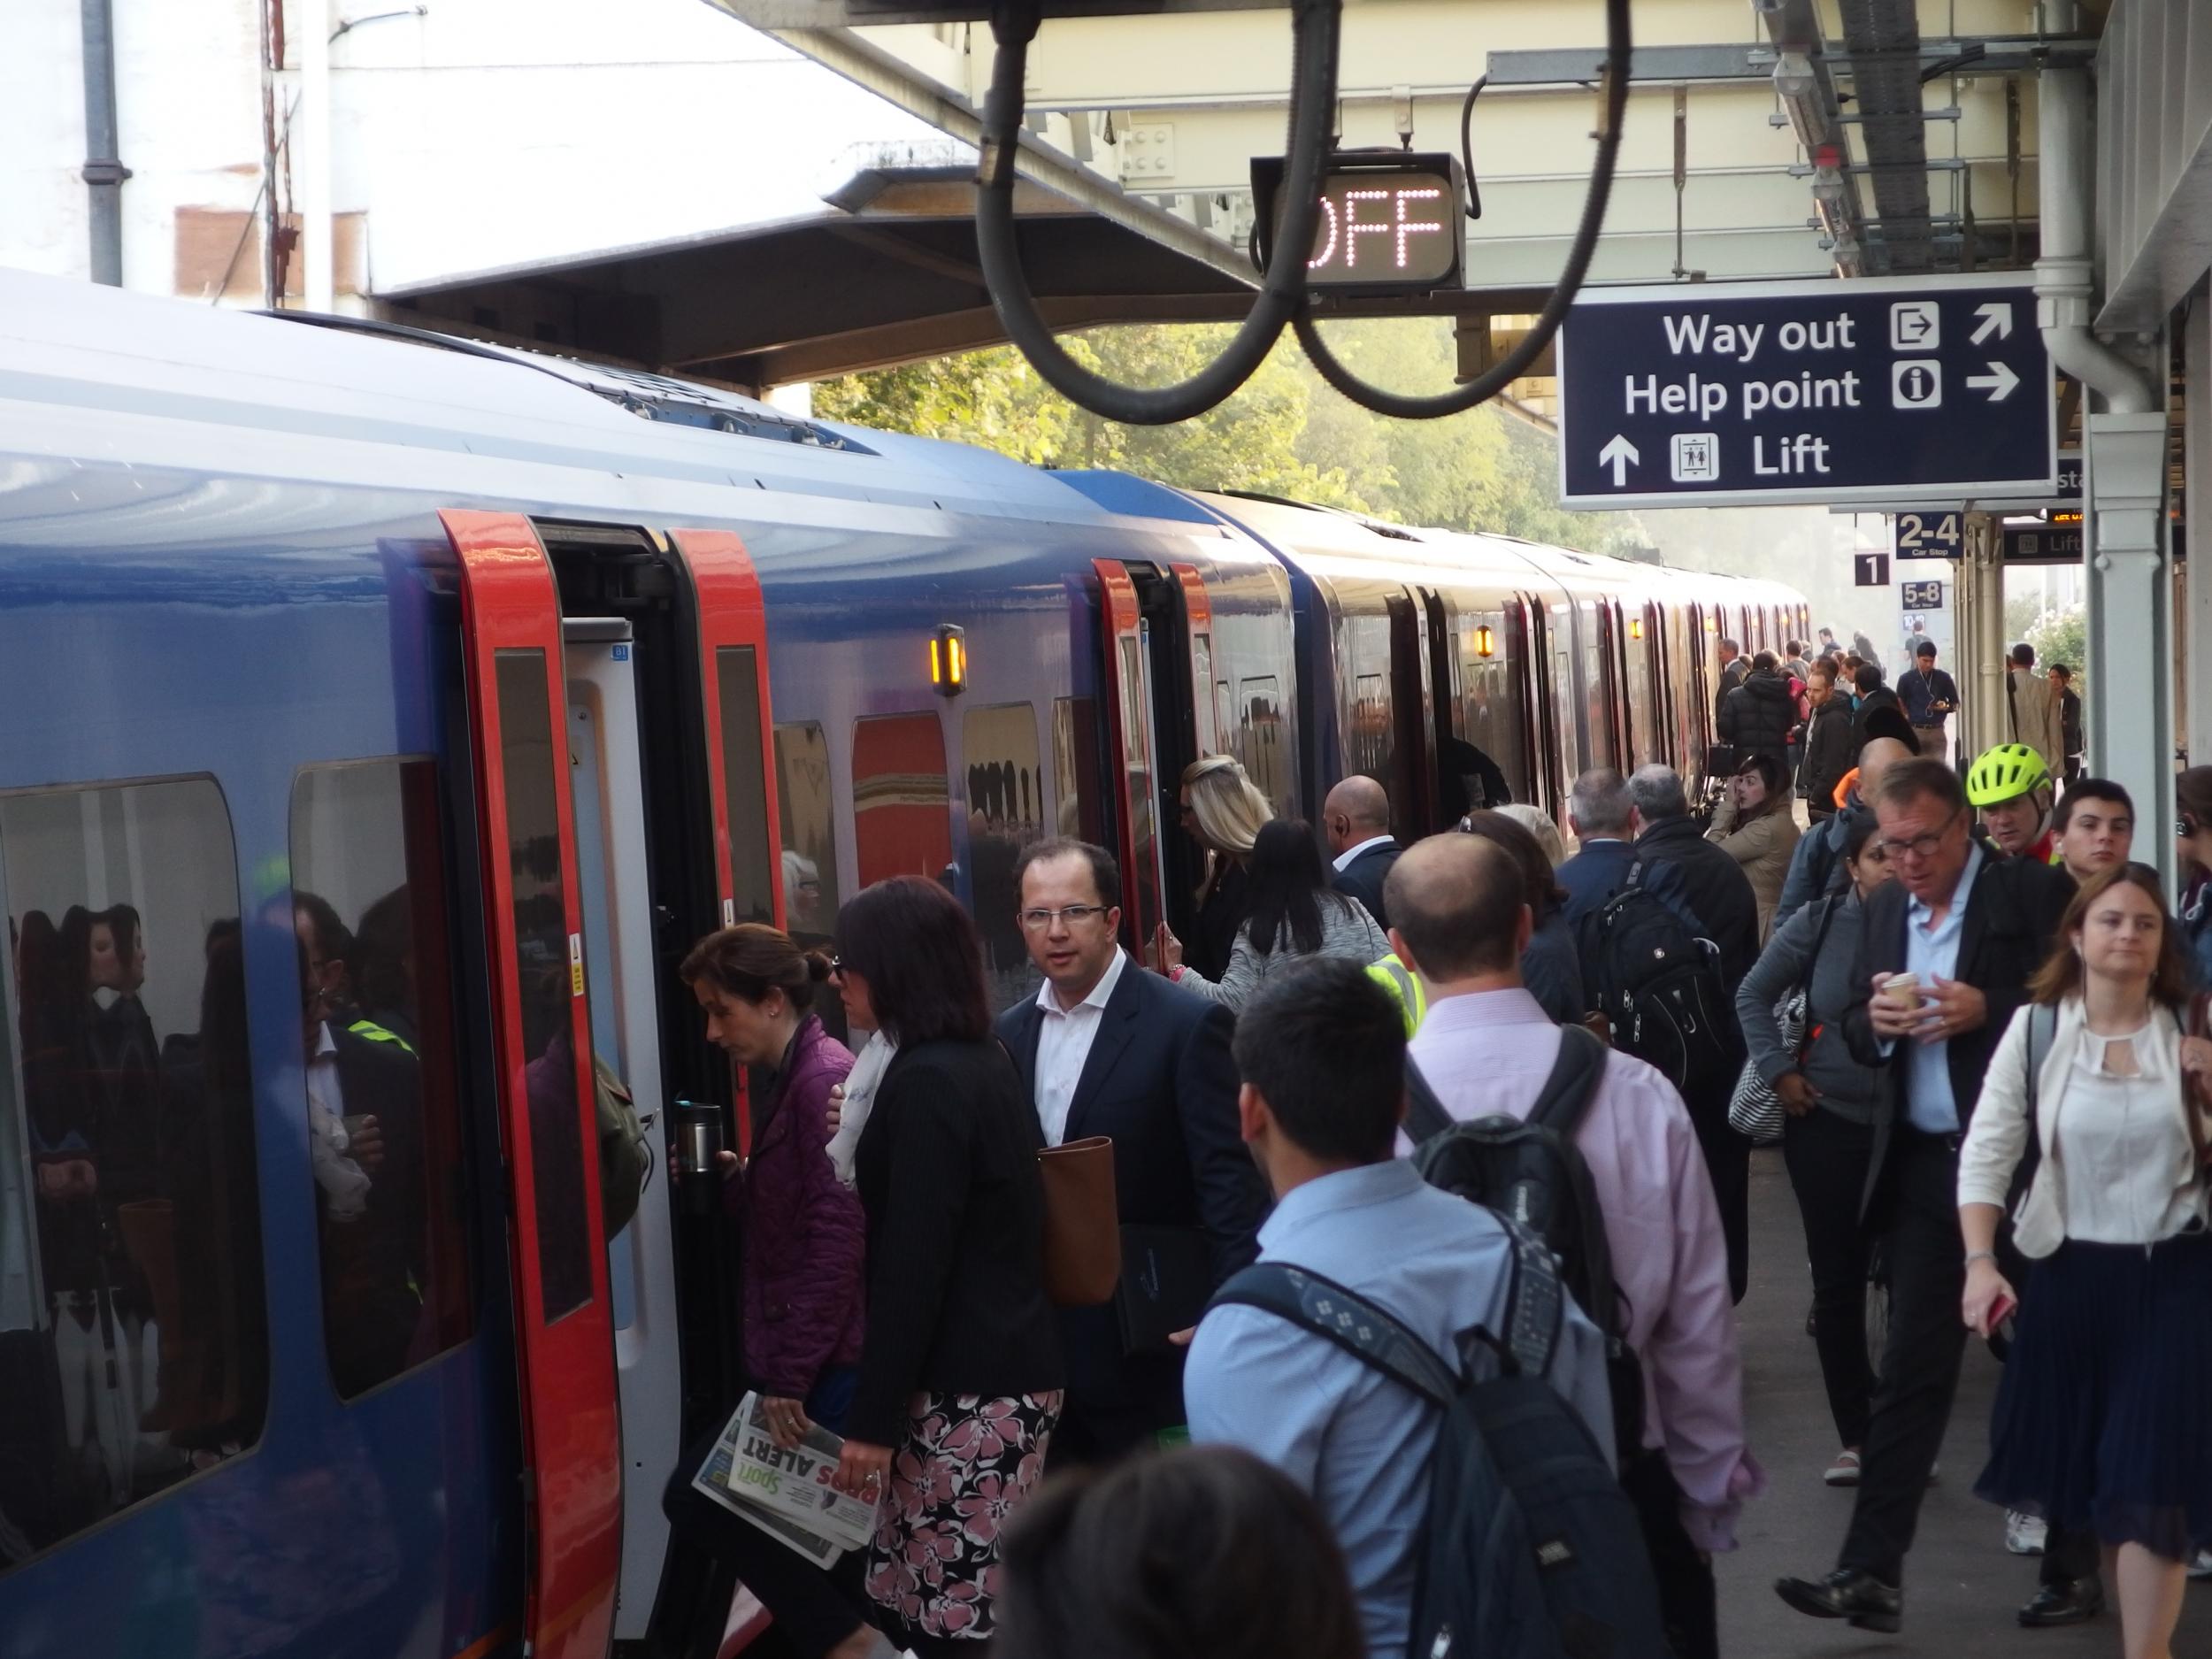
(1872, 568)
(1930, 536)
(1921, 595)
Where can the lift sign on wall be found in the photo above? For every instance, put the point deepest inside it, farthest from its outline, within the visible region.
(1888, 392)
(1390, 224)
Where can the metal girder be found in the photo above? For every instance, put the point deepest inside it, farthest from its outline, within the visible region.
(1676, 65)
(2155, 159)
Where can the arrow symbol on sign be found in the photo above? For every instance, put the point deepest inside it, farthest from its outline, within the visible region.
(1996, 319)
(1999, 382)
(1619, 455)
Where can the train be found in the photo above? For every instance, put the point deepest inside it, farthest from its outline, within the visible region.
(383, 715)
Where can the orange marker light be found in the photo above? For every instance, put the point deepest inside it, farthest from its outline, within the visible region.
(1485, 642)
(949, 661)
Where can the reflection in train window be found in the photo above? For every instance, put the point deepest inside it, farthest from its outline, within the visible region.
(534, 772)
(744, 781)
(901, 806)
(1201, 658)
(1262, 743)
(1005, 813)
(383, 1088)
(807, 814)
(1491, 689)
(133, 1341)
(1596, 690)
(1074, 751)
(1367, 746)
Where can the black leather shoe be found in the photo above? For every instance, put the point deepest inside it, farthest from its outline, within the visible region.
(1861, 1597)
(2069, 1601)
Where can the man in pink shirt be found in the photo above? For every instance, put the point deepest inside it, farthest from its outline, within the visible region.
(1487, 1047)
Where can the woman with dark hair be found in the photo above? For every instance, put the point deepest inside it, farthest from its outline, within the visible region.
(800, 1237)
(1203, 1553)
(1756, 826)
(1551, 967)
(960, 1374)
(1828, 1101)
(1294, 916)
(2104, 1418)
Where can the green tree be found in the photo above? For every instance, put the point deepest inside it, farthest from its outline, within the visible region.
(2061, 636)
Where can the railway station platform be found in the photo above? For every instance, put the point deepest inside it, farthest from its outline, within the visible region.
(1961, 1587)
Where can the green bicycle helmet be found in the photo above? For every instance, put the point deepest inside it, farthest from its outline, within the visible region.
(2005, 774)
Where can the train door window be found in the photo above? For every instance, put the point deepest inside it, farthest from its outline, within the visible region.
(1204, 715)
(1370, 727)
(1262, 745)
(901, 803)
(807, 809)
(1490, 688)
(534, 770)
(1225, 721)
(1564, 698)
(1597, 688)
(133, 1338)
(385, 1144)
(1074, 749)
(1642, 647)
(745, 782)
(1005, 814)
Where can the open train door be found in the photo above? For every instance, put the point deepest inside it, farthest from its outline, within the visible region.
(541, 1043)
(1132, 751)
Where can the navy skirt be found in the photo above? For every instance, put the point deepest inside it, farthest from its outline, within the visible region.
(2104, 1418)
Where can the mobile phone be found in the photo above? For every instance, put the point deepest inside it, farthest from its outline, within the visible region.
(2001, 1310)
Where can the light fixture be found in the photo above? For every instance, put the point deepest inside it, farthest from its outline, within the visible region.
(1794, 76)
(949, 660)
(1485, 642)
(1635, 627)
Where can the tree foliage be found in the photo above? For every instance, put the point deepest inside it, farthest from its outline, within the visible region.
(1284, 434)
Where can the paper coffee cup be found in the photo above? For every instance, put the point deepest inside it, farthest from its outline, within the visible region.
(1903, 989)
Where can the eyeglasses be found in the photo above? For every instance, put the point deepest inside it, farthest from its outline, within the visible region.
(837, 967)
(1070, 915)
(1919, 846)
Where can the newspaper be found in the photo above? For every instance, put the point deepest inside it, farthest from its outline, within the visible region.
(785, 1491)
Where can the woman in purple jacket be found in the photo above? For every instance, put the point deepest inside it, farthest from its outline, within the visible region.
(802, 1236)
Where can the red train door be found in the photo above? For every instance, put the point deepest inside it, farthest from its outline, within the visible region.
(542, 1041)
(1132, 751)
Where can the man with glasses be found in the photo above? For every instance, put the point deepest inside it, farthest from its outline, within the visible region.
(1943, 961)
(1107, 1048)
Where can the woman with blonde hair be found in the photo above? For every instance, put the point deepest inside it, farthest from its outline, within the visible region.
(1537, 823)
(1222, 811)
(2104, 1418)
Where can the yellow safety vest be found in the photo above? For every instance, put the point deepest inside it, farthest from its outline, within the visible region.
(372, 1032)
(1404, 987)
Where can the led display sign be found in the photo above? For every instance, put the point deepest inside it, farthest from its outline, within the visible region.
(1390, 221)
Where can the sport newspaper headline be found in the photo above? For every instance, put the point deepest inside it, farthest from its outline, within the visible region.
(785, 1491)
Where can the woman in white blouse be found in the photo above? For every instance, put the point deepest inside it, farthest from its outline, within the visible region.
(2104, 1420)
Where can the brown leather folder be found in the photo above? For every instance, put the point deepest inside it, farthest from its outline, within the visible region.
(1082, 1227)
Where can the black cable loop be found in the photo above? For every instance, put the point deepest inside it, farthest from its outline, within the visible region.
(1509, 369)
(1282, 291)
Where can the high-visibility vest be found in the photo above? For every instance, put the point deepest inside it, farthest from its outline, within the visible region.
(1404, 987)
(372, 1032)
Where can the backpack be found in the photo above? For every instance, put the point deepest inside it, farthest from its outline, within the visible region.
(1661, 986)
(1531, 1172)
(1529, 1548)
(626, 1156)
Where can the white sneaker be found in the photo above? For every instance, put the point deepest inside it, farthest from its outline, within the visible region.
(1845, 1471)
(2201, 1567)
(2024, 1534)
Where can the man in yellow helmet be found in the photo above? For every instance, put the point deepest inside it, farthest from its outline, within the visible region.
(2011, 787)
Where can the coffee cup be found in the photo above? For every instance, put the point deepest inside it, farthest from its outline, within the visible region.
(1903, 989)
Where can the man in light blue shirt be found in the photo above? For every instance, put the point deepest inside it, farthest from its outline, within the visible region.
(1932, 953)
(1322, 1056)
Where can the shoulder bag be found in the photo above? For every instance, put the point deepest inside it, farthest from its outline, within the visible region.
(1755, 1109)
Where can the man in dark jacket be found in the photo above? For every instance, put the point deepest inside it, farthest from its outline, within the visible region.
(1970, 928)
(1732, 672)
(1603, 817)
(1355, 818)
(1831, 743)
(1758, 716)
(1817, 867)
(1720, 892)
(1108, 1048)
(1874, 695)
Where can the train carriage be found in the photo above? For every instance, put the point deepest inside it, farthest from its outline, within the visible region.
(397, 711)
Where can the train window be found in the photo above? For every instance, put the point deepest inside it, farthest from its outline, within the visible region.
(1203, 716)
(1262, 743)
(133, 1339)
(1074, 749)
(1371, 728)
(534, 771)
(745, 782)
(385, 1144)
(1005, 814)
(808, 811)
(1596, 690)
(902, 804)
(1491, 686)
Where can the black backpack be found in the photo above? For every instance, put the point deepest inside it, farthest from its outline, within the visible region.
(1529, 1548)
(1531, 1172)
(1661, 986)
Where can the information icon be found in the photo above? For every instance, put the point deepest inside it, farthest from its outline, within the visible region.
(1696, 457)
(1917, 383)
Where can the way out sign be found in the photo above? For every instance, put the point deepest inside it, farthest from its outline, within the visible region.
(1879, 391)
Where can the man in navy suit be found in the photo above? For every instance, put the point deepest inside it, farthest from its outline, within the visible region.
(1604, 817)
(1356, 820)
(1108, 1048)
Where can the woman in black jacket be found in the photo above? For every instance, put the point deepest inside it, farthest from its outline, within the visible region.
(960, 1372)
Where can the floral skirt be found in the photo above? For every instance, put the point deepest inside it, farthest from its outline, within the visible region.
(962, 1466)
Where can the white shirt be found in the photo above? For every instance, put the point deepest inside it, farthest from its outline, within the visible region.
(1344, 859)
(2124, 1152)
(1063, 1043)
(345, 1184)
(1931, 951)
